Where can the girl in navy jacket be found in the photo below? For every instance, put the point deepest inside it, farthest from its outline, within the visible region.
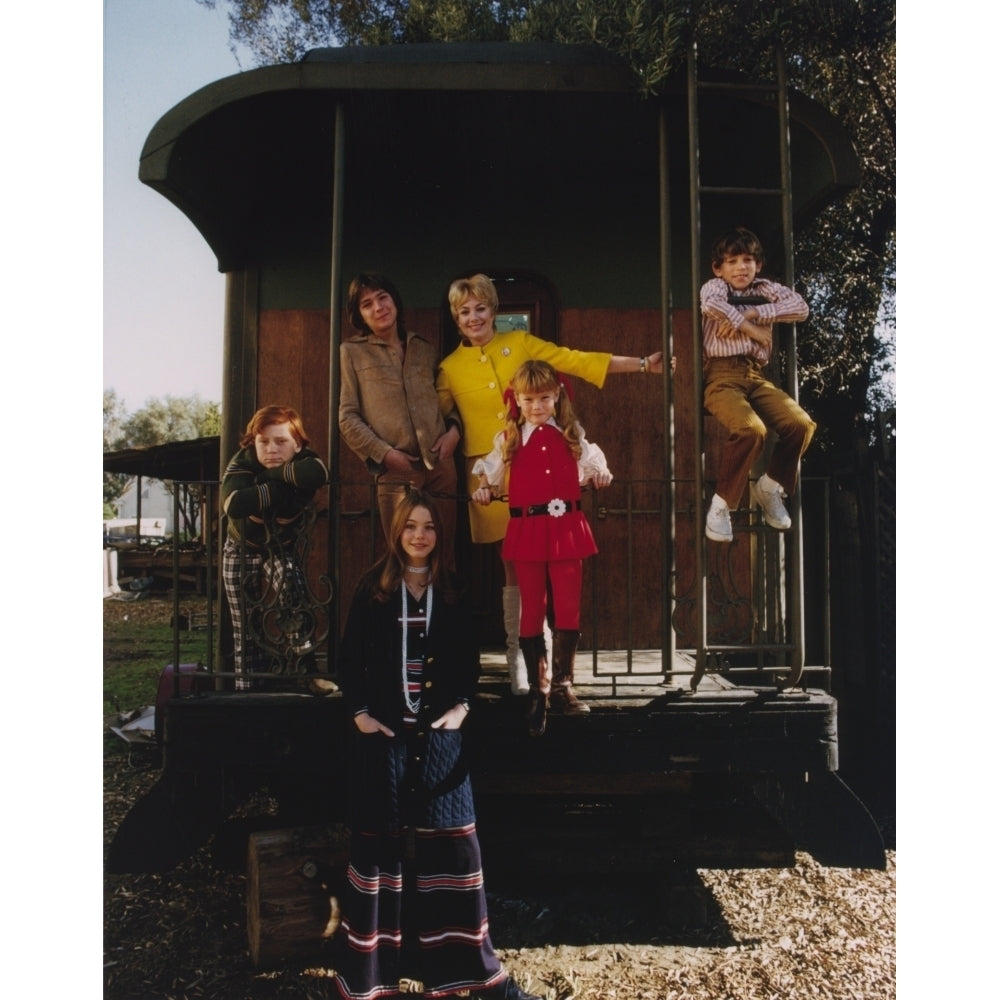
(415, 906)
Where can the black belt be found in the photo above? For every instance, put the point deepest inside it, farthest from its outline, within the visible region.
(543, 508)
(739, 359)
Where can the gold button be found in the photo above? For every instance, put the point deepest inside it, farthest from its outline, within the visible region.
(428, 684)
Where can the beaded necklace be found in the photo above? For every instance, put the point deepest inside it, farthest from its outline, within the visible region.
(413, 704)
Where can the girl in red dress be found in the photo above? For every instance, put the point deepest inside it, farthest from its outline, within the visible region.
(546, 459)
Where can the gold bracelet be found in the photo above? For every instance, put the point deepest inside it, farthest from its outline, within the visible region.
(643, 363)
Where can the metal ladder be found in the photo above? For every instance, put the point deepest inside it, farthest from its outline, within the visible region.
(786, 571)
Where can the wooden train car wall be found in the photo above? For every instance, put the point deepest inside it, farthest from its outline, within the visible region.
(537, 164)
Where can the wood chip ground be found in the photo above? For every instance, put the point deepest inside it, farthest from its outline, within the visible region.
(802, 933)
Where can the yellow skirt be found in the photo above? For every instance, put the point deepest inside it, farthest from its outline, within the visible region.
(486, 524)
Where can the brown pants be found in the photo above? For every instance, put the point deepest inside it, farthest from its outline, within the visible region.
(748, 406)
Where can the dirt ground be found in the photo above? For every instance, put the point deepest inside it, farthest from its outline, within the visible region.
(802, 932)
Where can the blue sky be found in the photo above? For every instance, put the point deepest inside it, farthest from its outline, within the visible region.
(163, 294)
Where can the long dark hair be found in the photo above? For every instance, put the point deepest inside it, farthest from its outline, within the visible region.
(386, 576)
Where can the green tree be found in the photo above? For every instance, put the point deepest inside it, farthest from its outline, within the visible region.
(284, 30)
(159, 421)
(114, 416)
(172, 418)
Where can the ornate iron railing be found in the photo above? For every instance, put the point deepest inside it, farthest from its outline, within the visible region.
(283, 615)
(284, 607)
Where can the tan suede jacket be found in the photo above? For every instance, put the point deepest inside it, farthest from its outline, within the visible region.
(385, 404)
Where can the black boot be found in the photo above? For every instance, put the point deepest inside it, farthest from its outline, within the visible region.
(535, 657)
(564, 699)
(507, 990)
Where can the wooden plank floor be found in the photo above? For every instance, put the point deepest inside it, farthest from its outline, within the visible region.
(610, 674)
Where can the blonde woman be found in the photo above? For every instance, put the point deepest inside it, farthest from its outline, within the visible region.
(472, 379)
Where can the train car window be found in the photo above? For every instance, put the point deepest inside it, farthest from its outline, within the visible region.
(513, 321)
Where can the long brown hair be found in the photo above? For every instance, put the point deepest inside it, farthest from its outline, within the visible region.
(534, 377)
(386, 576)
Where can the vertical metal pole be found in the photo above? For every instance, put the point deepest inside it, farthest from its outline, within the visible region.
(595, 617)
(797, 633)
(239, 398)
(333, 432)
(668, 641)
(177, 589)
(208, 505)
(696, 365)
(138, 510)
(784, 155)
(629, 562)
(827, 570)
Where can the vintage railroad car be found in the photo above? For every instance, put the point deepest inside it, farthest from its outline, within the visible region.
(713, 736)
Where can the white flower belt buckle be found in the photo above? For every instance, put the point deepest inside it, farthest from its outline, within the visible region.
(556, 508)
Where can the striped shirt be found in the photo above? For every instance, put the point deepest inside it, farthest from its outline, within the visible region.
(719, 317)
(416, 642)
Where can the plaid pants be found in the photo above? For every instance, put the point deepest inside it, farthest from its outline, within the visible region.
(246, 580)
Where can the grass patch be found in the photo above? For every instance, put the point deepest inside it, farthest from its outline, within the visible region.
(135, 654)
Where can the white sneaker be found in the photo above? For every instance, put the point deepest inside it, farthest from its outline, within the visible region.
(770, 503)
(718, 526)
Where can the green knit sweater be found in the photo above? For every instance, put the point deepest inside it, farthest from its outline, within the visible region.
(251, 492)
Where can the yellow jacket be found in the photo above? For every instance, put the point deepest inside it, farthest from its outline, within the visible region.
(473, 380)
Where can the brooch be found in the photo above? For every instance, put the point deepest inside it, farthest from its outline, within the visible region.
(556, 507)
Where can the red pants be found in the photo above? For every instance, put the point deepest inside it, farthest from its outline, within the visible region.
(566, 577)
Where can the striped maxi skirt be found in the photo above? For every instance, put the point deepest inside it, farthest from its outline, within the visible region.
(415, 908)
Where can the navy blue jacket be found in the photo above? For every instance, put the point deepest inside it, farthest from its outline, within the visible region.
(420, 777)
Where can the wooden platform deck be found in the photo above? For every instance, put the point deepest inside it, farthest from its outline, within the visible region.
(655, 776)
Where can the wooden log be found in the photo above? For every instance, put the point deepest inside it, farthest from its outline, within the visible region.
(293, 881)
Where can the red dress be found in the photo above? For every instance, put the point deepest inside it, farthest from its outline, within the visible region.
(541, 471)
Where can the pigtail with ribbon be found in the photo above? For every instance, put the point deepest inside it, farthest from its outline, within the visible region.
(510, 401)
